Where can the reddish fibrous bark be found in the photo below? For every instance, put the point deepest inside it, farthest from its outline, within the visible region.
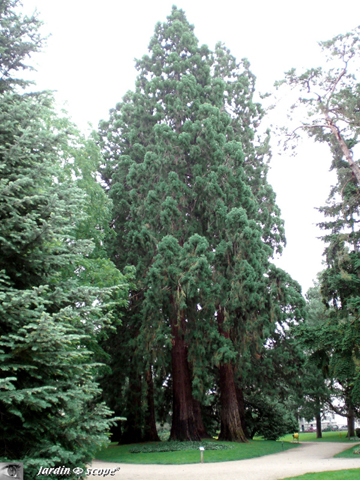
(241, 403)
(231, 429)
(183, 421)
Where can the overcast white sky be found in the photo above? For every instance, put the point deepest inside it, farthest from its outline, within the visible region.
(89, 61)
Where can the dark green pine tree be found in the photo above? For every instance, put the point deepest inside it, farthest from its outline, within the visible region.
(52, 306)
(186, 181)
(339, 336)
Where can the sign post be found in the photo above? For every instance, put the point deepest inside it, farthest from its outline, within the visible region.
(202, 453)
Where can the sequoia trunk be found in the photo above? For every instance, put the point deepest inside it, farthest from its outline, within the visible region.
(183, 421)
(241, 403)
(231, 429)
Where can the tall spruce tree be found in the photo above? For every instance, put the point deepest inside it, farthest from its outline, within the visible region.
(52, 306)
(194, 214)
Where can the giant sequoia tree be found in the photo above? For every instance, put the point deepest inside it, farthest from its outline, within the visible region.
(193, 212)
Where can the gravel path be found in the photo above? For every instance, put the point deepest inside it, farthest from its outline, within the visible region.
(308, 457)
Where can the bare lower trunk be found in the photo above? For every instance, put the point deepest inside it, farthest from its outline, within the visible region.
(132, 429)
(351, 423)
(199, 421)
(241, 403)
(150, 434)
(318, 426)
(231, 428)
(183, 420)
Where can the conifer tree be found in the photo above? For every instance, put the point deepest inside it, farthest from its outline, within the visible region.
(53, 309)
(331, 99)
(194, 213)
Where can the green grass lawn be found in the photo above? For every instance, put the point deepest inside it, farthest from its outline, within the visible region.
(349, 453)
(353, 474)
(238, 451)
(327, 437)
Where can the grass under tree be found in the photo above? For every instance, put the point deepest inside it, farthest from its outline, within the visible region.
(189, 453)
(350, 452)
(337, 436)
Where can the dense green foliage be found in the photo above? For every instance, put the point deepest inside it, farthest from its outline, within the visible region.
(20, 38)
(53, 307)
(193, 212)
(271, 418)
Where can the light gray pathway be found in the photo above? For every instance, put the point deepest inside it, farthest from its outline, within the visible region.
(308, 457)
